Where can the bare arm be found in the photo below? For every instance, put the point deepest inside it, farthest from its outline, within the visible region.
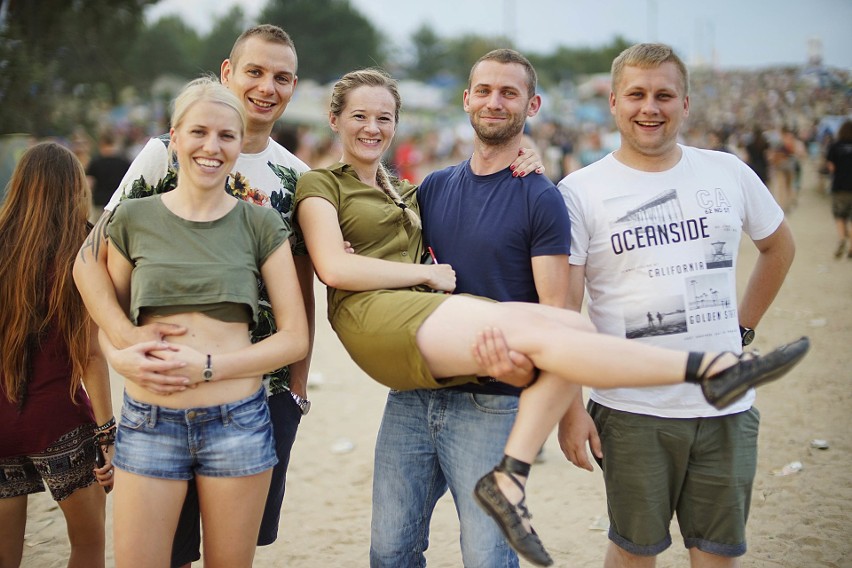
(338, 269)
(576, 428)
(96, 382)
(138, 362)
(776, 255)
(96, 288)
(98, 293)
(551, 279)
(576, 287)
(300, 369)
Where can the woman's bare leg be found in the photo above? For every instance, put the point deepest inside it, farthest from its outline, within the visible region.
(13, 519)
(85, 515)
(556, 340)
(569, 352)
(539, 410)
(145, 516)
(231, 511)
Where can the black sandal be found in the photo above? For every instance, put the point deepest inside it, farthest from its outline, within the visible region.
(510, 517)
(729, 385)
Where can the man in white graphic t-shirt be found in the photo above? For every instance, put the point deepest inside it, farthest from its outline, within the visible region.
(656, 228)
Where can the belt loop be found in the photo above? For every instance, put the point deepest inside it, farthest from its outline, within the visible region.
(152, 417)
(225, 414)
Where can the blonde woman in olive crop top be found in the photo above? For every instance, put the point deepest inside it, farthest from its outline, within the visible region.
(191, 257)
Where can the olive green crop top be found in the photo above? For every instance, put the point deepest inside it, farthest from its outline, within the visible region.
(190, 266)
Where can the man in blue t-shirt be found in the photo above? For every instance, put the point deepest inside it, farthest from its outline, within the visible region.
(507, 237)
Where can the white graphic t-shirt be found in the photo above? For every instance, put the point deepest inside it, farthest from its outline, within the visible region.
(660, 251)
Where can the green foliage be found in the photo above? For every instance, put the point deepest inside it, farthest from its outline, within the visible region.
(465, 50)
(166, 47)
(331, 36)
(55, 54)
(430, 54)
(216, 46)
(63, 60)
(567, 64)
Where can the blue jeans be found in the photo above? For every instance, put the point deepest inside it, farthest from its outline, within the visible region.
(431, 440)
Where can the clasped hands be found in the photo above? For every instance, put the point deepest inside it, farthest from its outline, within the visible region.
(149, 360)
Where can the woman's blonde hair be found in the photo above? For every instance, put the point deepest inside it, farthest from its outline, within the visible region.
(205, 89)
(373, 77)
(42, 225)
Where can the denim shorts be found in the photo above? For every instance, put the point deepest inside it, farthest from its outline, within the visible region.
(228, 440)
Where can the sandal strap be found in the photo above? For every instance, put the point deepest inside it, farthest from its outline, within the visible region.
(693, 364)
(514, 468)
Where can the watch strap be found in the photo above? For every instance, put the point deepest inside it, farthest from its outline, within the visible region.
(208, 369)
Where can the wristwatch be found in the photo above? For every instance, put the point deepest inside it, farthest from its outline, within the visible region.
(207, 373)
(747, 334)
(303, 403)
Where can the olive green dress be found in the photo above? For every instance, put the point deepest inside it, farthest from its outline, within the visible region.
(378, 328)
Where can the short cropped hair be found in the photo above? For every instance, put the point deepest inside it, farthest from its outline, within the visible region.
(508, 56)
(648, 56)
(265, 32)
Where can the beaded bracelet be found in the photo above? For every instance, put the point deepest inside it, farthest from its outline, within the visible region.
(106, 425)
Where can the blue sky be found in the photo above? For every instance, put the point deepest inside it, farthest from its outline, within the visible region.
(729, 33)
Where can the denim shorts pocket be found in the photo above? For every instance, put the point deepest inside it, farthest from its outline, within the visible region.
(250, 417)
(134, 417)
(495, 403)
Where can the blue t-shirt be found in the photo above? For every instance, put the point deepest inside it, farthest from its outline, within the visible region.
(489, 228)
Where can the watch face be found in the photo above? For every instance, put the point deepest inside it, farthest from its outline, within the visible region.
(748, 336)
(305, 406)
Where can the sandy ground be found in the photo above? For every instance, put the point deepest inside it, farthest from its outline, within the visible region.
(797, 520)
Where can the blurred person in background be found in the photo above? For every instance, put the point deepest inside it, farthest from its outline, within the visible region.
(105, 172)
(838, 160)
(786, 165)
(757, 150)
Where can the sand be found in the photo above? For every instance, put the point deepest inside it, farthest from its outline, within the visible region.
(797, 520)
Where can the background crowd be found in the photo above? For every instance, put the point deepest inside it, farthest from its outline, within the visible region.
(796, 111)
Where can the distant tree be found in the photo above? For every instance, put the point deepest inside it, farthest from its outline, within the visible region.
(331, 36)
(57, 54)
(465, 50)
(167, 46)
(567, 64)
(216, 46)
(430, 54)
